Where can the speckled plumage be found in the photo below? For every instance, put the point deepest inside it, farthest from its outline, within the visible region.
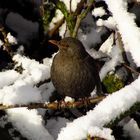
(73, 70)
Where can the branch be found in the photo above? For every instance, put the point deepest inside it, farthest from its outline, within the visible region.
(57, 105)
(126, 64)
(73, 20)
(81, 17)
(56, 27)
(80, 7)
(70, 18)
(132, 110)
(130, 68)
(70, 6)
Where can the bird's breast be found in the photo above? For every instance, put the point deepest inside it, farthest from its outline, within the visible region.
(65, 68)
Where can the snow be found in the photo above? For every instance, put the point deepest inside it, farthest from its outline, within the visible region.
(11, 39)
(46, 91)
(36, 72)
(9, 77)
(73, 4)
(62, 30)
(98, 12)
(29, 123)
(109, 23)
(131, 129)
(19, 94)
(115, 56)
(68, 99)
(116, 59)
(102, 133)
(1, 43)
(19, 89)
(58, 16)
(106, 47)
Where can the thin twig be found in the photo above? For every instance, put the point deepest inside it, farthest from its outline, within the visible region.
(81, 17)
(126, 62)
(130, 68)
(70, 6)
(43, 82)
(80, 7)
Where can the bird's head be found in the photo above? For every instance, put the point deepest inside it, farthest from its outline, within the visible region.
(71, 47)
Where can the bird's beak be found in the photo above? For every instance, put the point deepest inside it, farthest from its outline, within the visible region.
(55, 42)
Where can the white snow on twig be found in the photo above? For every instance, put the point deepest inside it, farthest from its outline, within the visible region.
(102, 133)
(98, 12)
(1, 43)
(29, 123)
(127, 27)
(8, 77)
(20, 89)
(58, 16)
(11, 39)
(36, 72)
(109, 23)
(107, 110)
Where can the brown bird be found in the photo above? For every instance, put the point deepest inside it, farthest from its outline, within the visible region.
(73, 71)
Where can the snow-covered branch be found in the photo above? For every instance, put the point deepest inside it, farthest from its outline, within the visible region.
(117, 103)
(127, 27)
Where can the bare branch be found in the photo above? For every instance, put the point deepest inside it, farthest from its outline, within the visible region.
(57, 105)
(130, 68)
(56, 27)
(70, 6)
(81, 17)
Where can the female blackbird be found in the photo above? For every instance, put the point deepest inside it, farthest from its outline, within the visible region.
(73, 70)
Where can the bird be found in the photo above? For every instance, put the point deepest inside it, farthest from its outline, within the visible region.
(73, 71)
